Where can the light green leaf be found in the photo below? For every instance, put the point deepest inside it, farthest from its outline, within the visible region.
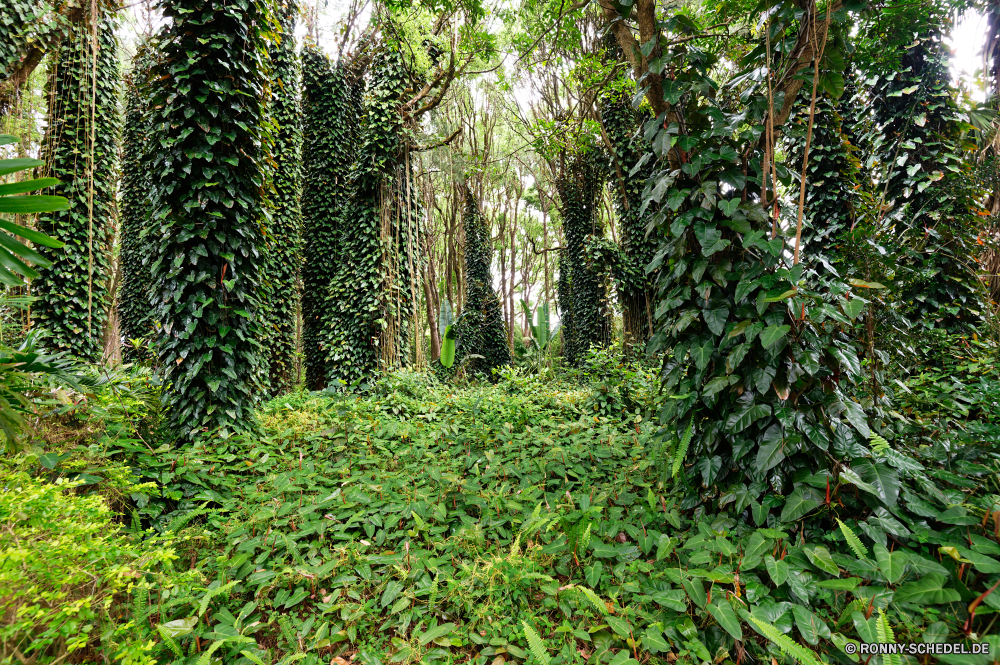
(771, 334)
(724, 614)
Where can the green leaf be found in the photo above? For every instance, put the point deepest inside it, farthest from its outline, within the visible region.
(777, 569)
(892, 564)
(883, 478)
(33, 236)
(853, 307)
(739, 421)
(724, 614)
(675, 599)
(772, 334)
(820, 557)
(843, 584)
(810, 626)
(8, 166)
(803, 500)
(434, 633)
(296, 598)
(772, 449)
(11, 188)
(928, 590)
(654, 641)
(448, 347)
(620, 626)
(695, 591)
(716, 319)
(25, 205)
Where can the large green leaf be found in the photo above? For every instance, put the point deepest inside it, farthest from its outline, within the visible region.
(772, 449)
(928, 590)
(803, 500)
(724, 614)
(882, 477)
(739, 421)
(25, 205)
(11, 188)
(771, 334)
(892, 564)
(810, 626)
(820, 557)
(777, 569)
(448, 346)
(622, 627)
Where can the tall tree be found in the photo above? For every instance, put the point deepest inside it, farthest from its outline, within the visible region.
(81, 149)
(207, 113)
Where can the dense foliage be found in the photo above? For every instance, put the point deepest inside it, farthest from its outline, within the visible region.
(207, 108)
(281, 276)
(82, 152)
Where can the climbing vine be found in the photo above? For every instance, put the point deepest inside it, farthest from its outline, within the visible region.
(134, 255)
(584, 295)
(81, 151)
(482, 330)
(332, 107)
(368, 298)
(207, 112)
(283, 242)
(626, 180)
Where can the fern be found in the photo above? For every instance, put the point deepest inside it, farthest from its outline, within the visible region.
(879, 445)
(293, 548)
(584, 540)
(682, 448)
(287, 631)
(291, 658)
(434, 592)
(140, 605)
(853, 541)
(536, 644)
(212, 593)
(856, 605)
(594, 599)
(170, 641)
(206, 657)
(790, 648)
(179, 523)
(886, 636)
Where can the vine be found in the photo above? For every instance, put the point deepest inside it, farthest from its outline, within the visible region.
(482, 330)
(284, 236)
(134, 255)
(81, 151)
(207, 112)
(332, 107)
(584, 295)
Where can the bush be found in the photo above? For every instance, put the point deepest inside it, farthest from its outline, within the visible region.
(62, 563)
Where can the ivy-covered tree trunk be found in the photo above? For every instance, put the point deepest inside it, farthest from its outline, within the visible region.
(81, 150)
(134, 255)
(585, 295)
(284, 235)
(482, 330)
(369, 294)
(636, 293)
(332, 110)
(928, 186)
(207, 111)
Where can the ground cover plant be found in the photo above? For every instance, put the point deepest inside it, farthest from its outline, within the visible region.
(499, 331)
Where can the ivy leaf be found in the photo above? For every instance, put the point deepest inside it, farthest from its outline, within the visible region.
(771, 334)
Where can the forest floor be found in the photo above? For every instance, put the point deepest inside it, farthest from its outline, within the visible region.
(528, 521)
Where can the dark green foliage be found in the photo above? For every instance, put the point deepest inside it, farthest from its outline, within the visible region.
(207, 113)
(81, 151)
(135, 255)
(284, 235)
(15, 20)
(832, 177)
(585, 295)
(482, 330)
(370, 294)
(918, 144)
(635, 288)
(331, 113)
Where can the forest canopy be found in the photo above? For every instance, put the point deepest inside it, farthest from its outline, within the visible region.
(489, 331)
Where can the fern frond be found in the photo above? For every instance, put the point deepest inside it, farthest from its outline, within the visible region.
(856, 605)
(212, 593)
(853, 541)
(682, 447)
(594, 599)
(293, 548)
(140, 604)
(179, 523)
(434, 593)
(788, 647)
(170, 641)
(584, 540)
(536, 644)
(886, 636)
(206, 657)
(879, 445)
(287, 631)
(291, 658)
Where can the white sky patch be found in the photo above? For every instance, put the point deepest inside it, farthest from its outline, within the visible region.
(966, 42)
